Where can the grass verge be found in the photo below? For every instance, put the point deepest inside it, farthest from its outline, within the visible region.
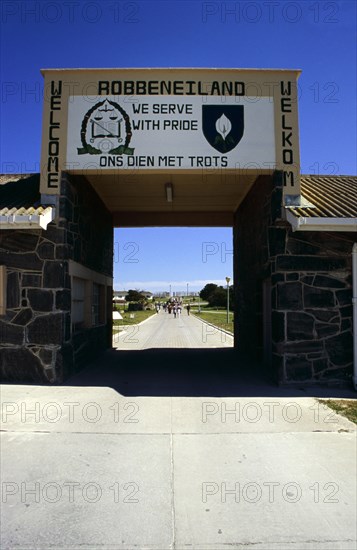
(132, 318)
(346, 407)
(218, 319)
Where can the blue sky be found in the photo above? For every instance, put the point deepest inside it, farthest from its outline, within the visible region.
(318, 37)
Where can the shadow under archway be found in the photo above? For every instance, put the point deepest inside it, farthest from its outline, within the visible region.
(219, 372)
(172, 372)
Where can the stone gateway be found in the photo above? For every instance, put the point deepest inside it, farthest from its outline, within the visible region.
(231, 158)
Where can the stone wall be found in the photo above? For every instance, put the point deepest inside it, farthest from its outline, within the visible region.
(258, 212)
(312, 307)
(38, 303)
(36, 344)
(310, 277)
(88, 227)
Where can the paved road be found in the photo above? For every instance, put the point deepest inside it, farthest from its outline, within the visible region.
(163, 330)
(84, 468)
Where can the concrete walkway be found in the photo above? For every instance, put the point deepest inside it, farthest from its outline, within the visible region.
(163, 330)
(90, 465)
(85, 468)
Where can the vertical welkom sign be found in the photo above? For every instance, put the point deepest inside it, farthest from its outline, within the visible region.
(175, 120)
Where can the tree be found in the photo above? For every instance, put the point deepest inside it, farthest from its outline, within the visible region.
(134, 296)
(207, 291)
(218, 298)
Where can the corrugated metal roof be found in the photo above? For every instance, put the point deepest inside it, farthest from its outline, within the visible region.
(25, 211)
(20, 203)
(20, 191)
(329, 197)
(325, 196)
(6, 178)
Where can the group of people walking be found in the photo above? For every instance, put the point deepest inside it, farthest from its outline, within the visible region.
(172, 306)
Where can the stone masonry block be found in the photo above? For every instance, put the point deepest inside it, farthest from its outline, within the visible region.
(289, 296)
(46, 329)
(40, 300)
(316, 297)
(300, 326)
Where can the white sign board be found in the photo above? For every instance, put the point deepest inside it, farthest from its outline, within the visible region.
(157, 133)
(117, 316)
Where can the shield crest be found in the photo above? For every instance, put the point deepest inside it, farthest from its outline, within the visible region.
(223, 126)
